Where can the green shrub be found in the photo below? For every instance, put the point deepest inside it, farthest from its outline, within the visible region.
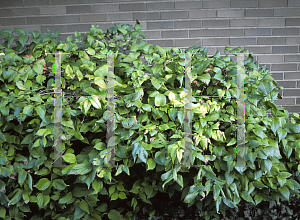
(149, 131)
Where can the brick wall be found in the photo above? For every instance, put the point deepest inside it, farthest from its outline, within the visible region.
(268, 28)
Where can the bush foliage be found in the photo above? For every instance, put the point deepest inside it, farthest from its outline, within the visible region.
(149, 129)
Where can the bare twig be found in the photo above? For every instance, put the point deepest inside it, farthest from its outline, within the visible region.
(15, 70)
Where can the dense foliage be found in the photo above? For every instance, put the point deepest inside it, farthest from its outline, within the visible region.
(149, 129)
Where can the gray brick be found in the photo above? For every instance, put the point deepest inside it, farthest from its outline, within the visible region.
(10, 3)
(244, 4)
(270, 59)
(61, 28)
(258, 32)
(162, 43)
(291, 92)
(284, 67)
(83, 27)
(292, 109)
(118, 16)
(103, 8)
(287, 84)
(64, 2)
(291, 58)
(259, 12)
(39, 20)
(277, 76)
(292, 21)
(298, 84)
(172, 15)
(188, 5)
(285, 31)
(243, 23)
(26, 11)
(211, 51)
(285, 101)
(152, 34)
(133, 7)
(203, 13)
(215, 23)
(12, 21)
(286, 12)
(284, 49)
(292, 75)
(115, 1)
(160, 6)
(230, 32)
(187, 42)
(90, 1)
(216, 4)
(272, 3)
(53, 10)
(270, 40)
(175, 33)
(271, 22)
(231, 13)
(216, 42)
(36, 2)
(203, 33)
(146, 15)
(92, 18)
(298, 101)
(292, 40)
(6, 12)
(66, 19)
(160, 25)
(187, 24)
(79, 9)
(242, 41)
(260, 50)
(294, 3)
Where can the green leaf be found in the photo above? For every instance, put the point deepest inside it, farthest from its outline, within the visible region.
(43, 184)
(212, 117)
(23, 39)
(86, 104)
(67, 198)
(97, 185)
(281, 133)
(179, 180)
(16, 197)
(258, 198)
(41, 132)
(95, 102)
(216, 191)
(265, 87)
(285, 192)
(67, 123)
(2, 212)
(69, 158)
(160, 100)
(90, 40)
(229, 203)
(100, 82)
(151, 164)
(247, 197)
(22, 176)
(202, 66)
(114, 215)
(38, 68)
(40, 79)
(205, 78)
(59, 184)
(84, 206)
(122, 195)
(275, 123)
(83, 168)
(41, 112)
(259, 132)
(28, 109)
(148, 190)
(20, 85)
(190, 197)
(114, 196)
(78, 213)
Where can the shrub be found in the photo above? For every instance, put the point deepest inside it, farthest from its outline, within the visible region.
(149, 131)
